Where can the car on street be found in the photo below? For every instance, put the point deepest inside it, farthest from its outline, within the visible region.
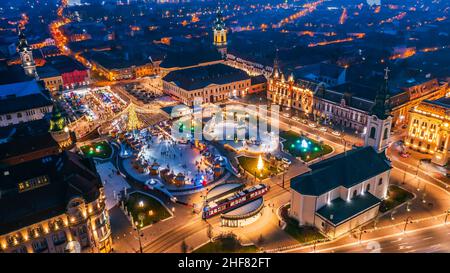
(312, 125)
(323, 129)
(336, 133)
(286, 161)
(296, 118)
(405, 155)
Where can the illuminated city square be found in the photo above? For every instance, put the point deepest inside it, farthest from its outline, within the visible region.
(211, 126)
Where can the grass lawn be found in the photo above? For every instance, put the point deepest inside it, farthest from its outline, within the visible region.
(249, 164)
(302, 234)
(397, 196)
(100, 150)
(226, 245)
(303, 147)
(148, 212)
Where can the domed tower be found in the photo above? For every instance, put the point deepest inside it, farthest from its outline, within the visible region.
(220, 33)
(26, 55)
(58, 129)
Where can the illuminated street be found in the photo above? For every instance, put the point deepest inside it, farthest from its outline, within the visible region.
(210, 126)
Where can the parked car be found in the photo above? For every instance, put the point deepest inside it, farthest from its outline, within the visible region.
(323, 129)
(312, 125)
(296, 118)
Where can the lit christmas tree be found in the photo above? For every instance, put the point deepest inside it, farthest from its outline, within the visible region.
(133, 121)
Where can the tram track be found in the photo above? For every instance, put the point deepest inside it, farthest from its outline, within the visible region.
(178, 234)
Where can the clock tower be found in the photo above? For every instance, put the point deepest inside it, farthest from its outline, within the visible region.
(26, 55)
(220, 33)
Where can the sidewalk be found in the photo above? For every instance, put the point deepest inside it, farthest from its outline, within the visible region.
(421, 215)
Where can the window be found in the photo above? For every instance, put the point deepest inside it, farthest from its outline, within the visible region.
(368, 187)
(19, 115)
(385, 135)
(372, 132)
(33, 183)
(380, 182)
(354, 193)
(40, 245)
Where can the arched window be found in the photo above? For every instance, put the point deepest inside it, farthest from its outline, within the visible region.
(372, 132)
(380, 181)
(354, 193)
(385, 135)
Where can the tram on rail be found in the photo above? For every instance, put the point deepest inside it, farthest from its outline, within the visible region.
(236, 200)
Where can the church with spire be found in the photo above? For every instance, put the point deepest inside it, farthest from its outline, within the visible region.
(379, 121)
(220, 33)
(26, 55)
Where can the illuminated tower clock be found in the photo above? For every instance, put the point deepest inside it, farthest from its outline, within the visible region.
(220, 33)
(26, 55)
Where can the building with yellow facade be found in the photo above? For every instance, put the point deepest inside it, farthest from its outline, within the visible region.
(429, 129)
(52, 200)
(211, 83)
(220, 33)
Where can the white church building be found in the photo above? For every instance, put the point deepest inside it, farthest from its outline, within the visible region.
(344, 192)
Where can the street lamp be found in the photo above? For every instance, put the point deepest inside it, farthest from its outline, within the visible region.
(360, 234)
(417, 175)
(259, 166)
(406, 223)
(139, 234)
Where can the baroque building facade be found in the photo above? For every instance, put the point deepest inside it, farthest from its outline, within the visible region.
(289, 93)
(347, 106)
(429, 130)
(57, 195)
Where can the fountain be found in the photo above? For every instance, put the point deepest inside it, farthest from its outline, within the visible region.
(304, 144)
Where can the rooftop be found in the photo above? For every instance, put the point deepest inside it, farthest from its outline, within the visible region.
(338, 211)
(25, 138)
(17, 104)
(64, 64)
(346, 169)
(68, 175)
(320, 69)
(443, 102)
(117, 60)
(190, 58)
(19, 89)
(258, 79)
(202, 76)
(47, 71)
(12, 74)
